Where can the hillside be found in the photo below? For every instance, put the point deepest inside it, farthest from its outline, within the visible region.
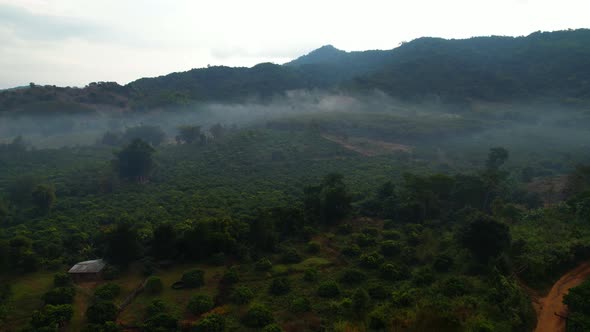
(552, 65)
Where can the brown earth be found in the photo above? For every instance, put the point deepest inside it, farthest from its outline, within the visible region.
(550, 305)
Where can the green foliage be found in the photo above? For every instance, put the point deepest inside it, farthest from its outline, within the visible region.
(60, 295)
(154, 285)
(485, 237)
(155, 307)
(393, 272)
(312, 247)
(193, 278)
(107, 292)
(151, 134)
(371, 260)
(300, 304)
(272, 328)
(360, 301)
(258, 316)
(290, 256)
(280, 286)
(310, 274)
(231, 275)
(43, 197)
(264, 264)
(242, 295)
(135, 161)
(329, 289)
(122, 244)
(352, 276)
(210, 323)
(101, 312)
(160, 322)
(390, 248)
(52, 315)
(200, 304)
(62, 279)
(329, 202)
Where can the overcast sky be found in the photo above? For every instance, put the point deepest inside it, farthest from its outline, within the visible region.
(74, 42)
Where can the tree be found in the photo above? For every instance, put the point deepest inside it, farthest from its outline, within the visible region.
(101, 312)
(52, 315)
(258, 316)
(193, 278)
(122, 245)
(496, 158)
(164, 243)
(360, 301)
(485, 237)
(217, 131)
(200, 304)
(151, 134)
(190, 134)
(135, 160)
(329, 202)
(211, 323)
(43, 197)
(154, 285)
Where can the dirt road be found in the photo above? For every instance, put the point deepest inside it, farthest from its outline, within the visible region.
(547, 321)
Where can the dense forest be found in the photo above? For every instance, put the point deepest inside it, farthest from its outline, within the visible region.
(440, 186)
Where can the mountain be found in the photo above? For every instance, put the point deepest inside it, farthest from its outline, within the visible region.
(554, 65)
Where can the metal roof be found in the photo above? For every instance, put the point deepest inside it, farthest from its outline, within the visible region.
(93, 266)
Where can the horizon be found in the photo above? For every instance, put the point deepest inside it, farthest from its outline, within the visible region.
(60, 42)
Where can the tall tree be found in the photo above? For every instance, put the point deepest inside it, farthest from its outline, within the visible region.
(135, 161)
(122, 245)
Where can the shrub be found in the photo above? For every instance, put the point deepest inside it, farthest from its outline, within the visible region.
(379, 291)
(62, 280)
(52, 315)
(388, 224)
(378, 318)
(231, 276)
(193, 278)
(242, 295)
(310, 274)
(393, 272)
(371, 231)
(300, 304)
(280, 286)
(60, 295)
(154, 285)
(372, 260)
(258, 316)
(199, 304)
(291, 256)
(403, 298)
(344, 229)
(329, 289)
(101, 312)
(351, 250)
(107, 292)
(360, 301)
(390, 248)
(272, 328)
(352, 276)
(312, 247)
(210, 323)
(160, 322)
(391, 235)
(443, 263)
(364, 240)
(455, 286)
(423, 276)
(263, 264)
(155, 307)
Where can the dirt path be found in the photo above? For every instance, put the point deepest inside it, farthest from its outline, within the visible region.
(547, 321)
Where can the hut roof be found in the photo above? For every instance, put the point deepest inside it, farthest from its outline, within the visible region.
(93, 266)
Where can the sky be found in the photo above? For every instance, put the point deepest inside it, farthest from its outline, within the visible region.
(75, 42)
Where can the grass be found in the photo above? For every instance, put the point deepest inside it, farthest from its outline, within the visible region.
(27, 291)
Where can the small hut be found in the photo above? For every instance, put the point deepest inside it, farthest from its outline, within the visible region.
(87, 270)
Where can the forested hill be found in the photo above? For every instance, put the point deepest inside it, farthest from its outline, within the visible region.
(544, 64)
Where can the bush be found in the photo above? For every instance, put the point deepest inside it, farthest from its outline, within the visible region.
(379, 292)
(231, 276)
(372, 260)
(351, 250)
(62, 280)
(403, 298)
(258, 316)
(264, 264)
(310, 274)
(390, 248)
(160, 322)
(290, 256)
(313, 247)
(393, 272)
(344, 229)
(455, 286)
(60, 295)
(443, 263)
(52, 315)
(199, 304)
(154, 285)
(360, 301)
(193, 278)
(280, 286)
(300, 304)
(423, 276)
(210, 323)
(272, 328)
(156, 307)
(388, 224)
(391, 235)
(101, 312)
(352, 276)
(329, 289)
(107, 292)
(364, 240)
(378, 318)
(242, 295)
